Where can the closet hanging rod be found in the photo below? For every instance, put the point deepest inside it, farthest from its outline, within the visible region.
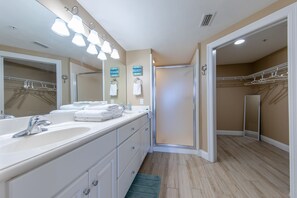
(30, 80)
(257, 74)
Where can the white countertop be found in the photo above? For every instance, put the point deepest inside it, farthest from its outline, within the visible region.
(14, 163)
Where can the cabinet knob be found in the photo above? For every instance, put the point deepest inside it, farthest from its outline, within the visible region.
(133, 172)
(86, 191)
(132, 128)
(133, 147)
(95, 183)
(146, 129)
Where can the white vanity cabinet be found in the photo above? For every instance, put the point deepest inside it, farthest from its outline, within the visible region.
(102, 168)
(69, 175)
(133, 145)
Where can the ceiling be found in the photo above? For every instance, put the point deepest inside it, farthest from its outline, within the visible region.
(33, 24)
(36, 65)
(256, 46)
(171, 28)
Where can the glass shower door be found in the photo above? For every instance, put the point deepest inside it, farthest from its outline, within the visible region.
(174, 106)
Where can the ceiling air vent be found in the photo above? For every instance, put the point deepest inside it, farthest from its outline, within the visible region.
(40, 44)
(207, 19)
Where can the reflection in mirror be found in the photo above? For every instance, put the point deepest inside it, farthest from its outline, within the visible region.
(89, 86)
(252, 116)
(29, 87)
(28, 35)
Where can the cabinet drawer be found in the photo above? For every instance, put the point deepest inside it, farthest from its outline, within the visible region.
(126, 151)
(128, 176)
(126, 131)
(50, 178)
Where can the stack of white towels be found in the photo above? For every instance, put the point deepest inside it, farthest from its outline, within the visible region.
(98, 113)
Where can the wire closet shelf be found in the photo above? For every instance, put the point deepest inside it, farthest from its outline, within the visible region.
(271, 75)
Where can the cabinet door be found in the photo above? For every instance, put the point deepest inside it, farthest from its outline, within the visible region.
(102, 178)
(77, 189)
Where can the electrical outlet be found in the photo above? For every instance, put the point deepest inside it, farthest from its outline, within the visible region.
(141, 101)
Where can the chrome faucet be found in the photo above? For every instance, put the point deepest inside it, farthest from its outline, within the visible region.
(36, 125)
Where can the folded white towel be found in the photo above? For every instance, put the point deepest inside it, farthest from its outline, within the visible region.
(63, 111)
(97, 115)
(108, 107)
(90, 103)
(113, 91)
(72, 107)
(137, 88)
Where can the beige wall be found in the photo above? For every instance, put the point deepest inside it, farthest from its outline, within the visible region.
(230, 107)
(234, 70)
(65, 67)
(18, 101)
(89, 87)
(266, 11)
(139, 57)
(276, 58)
(121, 98)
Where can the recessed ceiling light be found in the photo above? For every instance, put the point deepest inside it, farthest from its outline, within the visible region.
(239, 42)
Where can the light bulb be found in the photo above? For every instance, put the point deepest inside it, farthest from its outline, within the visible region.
(93, 37)
(59, 27)
(102, 55)
(115, 54)
(106, 47)
(76, 24)
(92, 49)
(78, 40)
(239, 42)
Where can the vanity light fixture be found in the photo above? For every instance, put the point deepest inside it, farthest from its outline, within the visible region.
(106, 47)
(92, 49)
(115, 54)
(94, 38)
(60, 28)
(78, 40)
(239, 42)
(101, 55)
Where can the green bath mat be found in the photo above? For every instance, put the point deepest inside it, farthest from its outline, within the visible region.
(145, 186)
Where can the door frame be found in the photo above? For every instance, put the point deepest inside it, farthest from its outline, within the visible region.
(173, 147)
(289, 13)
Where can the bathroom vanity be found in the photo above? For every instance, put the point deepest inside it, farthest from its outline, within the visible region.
(75, 159)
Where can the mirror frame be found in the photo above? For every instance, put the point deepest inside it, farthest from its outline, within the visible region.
(7, 54)
(246, 132)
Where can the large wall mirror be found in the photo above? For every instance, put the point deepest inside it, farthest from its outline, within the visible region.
(30, 87)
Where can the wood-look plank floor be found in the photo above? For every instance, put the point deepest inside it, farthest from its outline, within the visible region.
(245, 168)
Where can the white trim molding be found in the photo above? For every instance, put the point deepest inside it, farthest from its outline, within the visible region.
(230, 133)
(292, 93)
(165, 149)
(289, 13)
(168, 149)
(275, 143)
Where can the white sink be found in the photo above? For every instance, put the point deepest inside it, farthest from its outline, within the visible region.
(42, 139)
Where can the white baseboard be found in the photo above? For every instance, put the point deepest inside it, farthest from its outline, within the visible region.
(251, 133)
(275, 143)
(228, 132)
(175, 150)
(200, 153)
(204, 154)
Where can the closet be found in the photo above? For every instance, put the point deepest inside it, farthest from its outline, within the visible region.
(256, 68)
